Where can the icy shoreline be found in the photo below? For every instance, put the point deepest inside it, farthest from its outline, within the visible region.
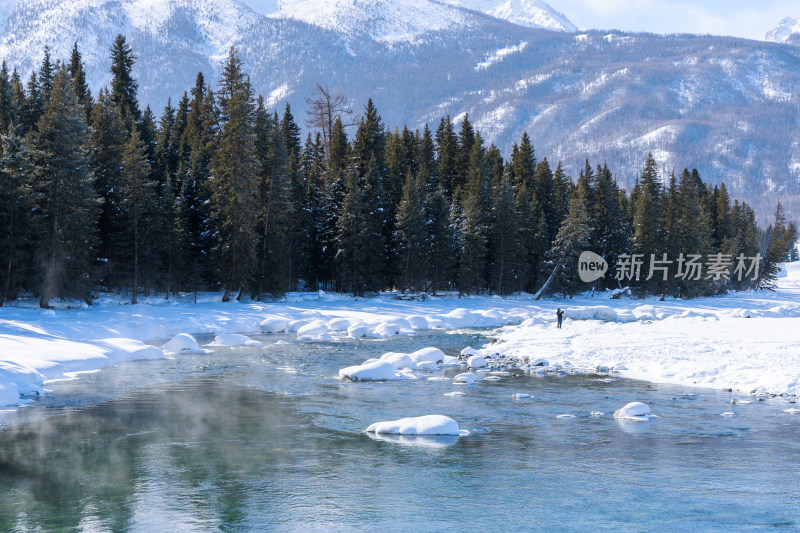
(745, 341)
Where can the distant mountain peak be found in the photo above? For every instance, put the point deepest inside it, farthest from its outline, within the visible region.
(787, 31)
(531, 13)
(382, 20)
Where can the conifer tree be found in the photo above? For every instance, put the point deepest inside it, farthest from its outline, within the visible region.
(124, 88)
(137, 205)
(472, 223)
(46, 74)
(108, 138)
(411, 235)
(66, 203)
(649, 217)
(15, 209)
(781, 241)
(275, 209)
(505, 237)
(82, 91)
(196, 146)
(441, 241)
(235, 169)
(447, 154)
(523, 163)
(33, 107)
(572, 239)
(7, 116)
(360, 245)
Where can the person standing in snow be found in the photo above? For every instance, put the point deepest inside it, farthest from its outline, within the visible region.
(560, 315)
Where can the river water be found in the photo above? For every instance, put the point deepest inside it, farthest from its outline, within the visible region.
(268, 439)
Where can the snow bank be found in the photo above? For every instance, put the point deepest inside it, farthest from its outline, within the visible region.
(421, 425)
(705, 342)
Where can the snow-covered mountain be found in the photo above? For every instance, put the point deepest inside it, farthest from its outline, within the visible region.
(787, 31)
(383, 20)
(531, 13)
(728, 106)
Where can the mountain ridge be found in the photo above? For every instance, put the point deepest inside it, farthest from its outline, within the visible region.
(725, 105)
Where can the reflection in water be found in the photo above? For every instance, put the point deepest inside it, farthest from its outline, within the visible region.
(634, 427)
(430, 441)
(235, 441)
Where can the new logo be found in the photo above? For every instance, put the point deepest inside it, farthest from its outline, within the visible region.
(591, 267)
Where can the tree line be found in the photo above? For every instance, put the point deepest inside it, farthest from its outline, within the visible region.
(218, 193)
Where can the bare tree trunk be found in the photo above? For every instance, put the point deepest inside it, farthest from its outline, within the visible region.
(541, 291)
(134, 298)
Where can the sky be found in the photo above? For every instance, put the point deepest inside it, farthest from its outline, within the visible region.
(741, 18)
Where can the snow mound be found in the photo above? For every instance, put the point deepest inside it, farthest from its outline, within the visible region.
(182, 343)
(358, 332)
(274, 325)
(340, 324)
(634, 411)
(395, 326)
(476, 361)
(469, 350)
(420, 425)
(316, 328)
(467, 378)
(232, 339)
(418, 322)
(371, 371)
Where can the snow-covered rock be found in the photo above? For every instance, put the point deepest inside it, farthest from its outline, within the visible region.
(313, 329)
(182, 343)
(434, 355)
(467, 378)
(634, 411)
(232, 339)
(420, 425)
(476, 361)
(340, 324)
(393, 326)
(274, 325)
(358, 332)
(372, 371)
(469, 350)
(418, 322)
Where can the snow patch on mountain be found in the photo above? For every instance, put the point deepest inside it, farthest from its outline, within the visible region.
(500, 54)
(381, 20)
(787, 31)
(530, 13)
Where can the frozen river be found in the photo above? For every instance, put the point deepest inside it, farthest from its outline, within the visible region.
(268, 438)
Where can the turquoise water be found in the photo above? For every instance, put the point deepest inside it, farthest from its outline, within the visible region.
(267, 439)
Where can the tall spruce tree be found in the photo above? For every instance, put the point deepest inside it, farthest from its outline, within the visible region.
(235, 169)
(108, 138)
(137, 206)
(505, 240)
(781, 241)
(124, 88)
(15, 212)
(411, 235)
(66, 202)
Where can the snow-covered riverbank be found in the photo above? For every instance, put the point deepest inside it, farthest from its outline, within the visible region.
(707, 342)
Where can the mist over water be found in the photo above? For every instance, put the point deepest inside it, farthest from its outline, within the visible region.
(268, 438)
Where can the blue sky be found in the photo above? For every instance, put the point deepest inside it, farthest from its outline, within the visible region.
(742, 18)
